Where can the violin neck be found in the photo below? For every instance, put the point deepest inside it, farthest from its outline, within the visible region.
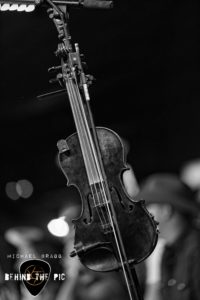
(85, 133)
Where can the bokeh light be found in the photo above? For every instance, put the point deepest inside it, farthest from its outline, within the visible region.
(11, 190)
(190, 173)
(58, 227)
(24, 188)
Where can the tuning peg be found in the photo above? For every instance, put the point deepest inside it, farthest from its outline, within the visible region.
(90, 79)
(57, 79)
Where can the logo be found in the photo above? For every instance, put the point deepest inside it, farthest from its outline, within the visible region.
(35, 275)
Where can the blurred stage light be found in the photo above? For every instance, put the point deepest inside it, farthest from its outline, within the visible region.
(30, 8)
(4, 7)
(13, 7)
(58, 227)
(24, 188)
(17, 7)
(11, 190)
(190, 173)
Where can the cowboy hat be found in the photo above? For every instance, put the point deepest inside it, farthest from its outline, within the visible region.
(168, 188)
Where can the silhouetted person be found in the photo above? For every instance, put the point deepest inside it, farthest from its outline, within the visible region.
(173, 270)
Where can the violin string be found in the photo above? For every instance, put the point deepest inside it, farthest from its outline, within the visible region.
(97, 153)
(99, 171)
(82, 140)
(80, 127)
(94, 190)
(91, 149)
(100, 181)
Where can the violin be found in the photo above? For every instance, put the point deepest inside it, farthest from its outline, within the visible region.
(113, 231)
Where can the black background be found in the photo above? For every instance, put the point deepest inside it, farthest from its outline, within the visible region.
(145, 58)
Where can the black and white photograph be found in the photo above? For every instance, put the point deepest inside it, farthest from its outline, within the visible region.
(100, 150)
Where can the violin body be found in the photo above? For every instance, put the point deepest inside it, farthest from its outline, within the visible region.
(94, 240)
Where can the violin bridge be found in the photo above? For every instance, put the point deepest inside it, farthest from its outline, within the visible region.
(107, 228)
